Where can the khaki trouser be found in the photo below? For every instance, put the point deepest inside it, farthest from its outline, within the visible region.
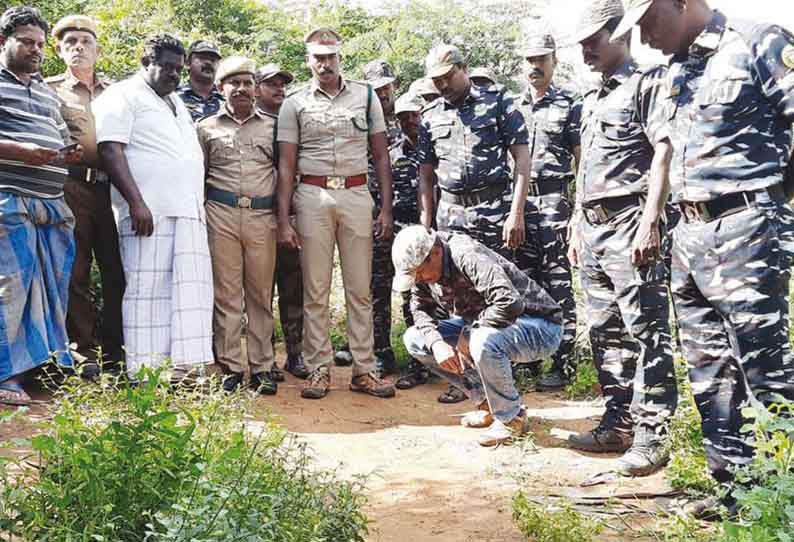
(344, 217)
(243, 248)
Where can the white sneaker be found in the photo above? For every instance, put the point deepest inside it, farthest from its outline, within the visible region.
(500, 433)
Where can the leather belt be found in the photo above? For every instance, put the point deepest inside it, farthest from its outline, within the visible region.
(234, 200)
(87, 175)
(603, 210)
(333, 182)
(470, 199)
(545, 187)
(728, 204)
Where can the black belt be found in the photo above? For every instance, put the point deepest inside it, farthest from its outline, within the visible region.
(89, 175)
(234, 200)
(546, 187)
(603, 210)
(470, 199)
(728, 204)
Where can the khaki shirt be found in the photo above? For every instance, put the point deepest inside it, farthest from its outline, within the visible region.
(76, 101)
(239, 156)
(332, 133)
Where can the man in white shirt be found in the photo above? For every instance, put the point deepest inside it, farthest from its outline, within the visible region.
(151, 152)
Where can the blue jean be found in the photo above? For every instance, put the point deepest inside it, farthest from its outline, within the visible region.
(493, 350)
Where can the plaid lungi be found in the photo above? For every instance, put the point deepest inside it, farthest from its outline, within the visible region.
(36, 255)
(167, 306)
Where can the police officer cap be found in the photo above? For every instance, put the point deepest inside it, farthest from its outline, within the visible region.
(482, 75)
(74, 22)
(441, 59)
(269, 71)
(596, 14)
(234, 65)
(323, 41)
(379, 73)
(411, 248)
(538, 45)
(203, 46)
(635, 9)
(408, 102)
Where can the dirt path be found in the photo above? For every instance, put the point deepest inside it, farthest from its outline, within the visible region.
(428, 479)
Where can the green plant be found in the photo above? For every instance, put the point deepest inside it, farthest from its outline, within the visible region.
(677, 528)
(154, 463)
(583, 383)
(557, 522)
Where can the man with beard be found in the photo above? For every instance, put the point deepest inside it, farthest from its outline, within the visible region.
(730, 105)
(616, 240)
(553, 118)
(325, 129)
(35, 221)
(199, 94)
(87, 191)
(271, 81)
(238, 144)
(148, 145)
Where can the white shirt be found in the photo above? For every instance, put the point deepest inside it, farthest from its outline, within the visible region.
(162, 149)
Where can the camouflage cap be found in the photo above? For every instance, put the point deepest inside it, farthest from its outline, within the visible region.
(410, 249)
(204, 46)
(74, 22)
(538, 45)
(379, 73)
(268, 71)
(635, 9)
(323, 41)
(441, 59)
(481, 73)
(423, 87)
(594, 16)
(408, 102)
(234, 65)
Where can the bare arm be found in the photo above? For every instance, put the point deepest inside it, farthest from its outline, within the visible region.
(647, 242)
(577, 156)
(379, 147)
(115, 163)
(287, 169)
(426, 186)
(513, 232)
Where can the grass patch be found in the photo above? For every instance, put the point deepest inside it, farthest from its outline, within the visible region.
(557, 522)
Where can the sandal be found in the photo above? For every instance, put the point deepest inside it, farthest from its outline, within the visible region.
(452, 395)
(13, 394)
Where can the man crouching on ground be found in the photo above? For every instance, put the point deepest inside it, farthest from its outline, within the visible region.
(503, 317)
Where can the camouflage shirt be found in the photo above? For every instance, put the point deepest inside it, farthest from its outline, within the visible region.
(554, 122)
(198, 106)
(393, 134)
(479, 286)
(404, 157)
(730, 104)
(619, 130)
(468, 144)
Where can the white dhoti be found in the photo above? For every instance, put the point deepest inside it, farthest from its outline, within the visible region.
(167, 306)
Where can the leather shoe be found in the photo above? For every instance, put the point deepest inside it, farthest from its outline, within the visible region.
(343, 357)
(318, 383)
(262, 383)
(296, 367)
(371, 385)
(275, 374)
(414, 375)
(602, 439)
(232, 382)
(552, 381)
(385, 364)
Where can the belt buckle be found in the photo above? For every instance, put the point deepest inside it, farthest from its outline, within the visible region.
(335, 183)
(244, 202)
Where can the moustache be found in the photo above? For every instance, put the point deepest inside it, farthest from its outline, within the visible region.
(537, 73)
(241, 94)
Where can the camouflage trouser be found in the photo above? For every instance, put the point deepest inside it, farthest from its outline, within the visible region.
(289, 280)
(730, 286)
(628, 310)
(381, 286)
(544, 257)
(483, 222)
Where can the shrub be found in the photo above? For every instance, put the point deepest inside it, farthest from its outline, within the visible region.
(553, 523)
(153, 463)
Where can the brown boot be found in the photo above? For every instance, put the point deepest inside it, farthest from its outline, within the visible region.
(371, 385)
(317, 384)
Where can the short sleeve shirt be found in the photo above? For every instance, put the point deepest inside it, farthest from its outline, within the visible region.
(619, 131)
(240, 156)
(554, 123)
(730, 104)
(332, 132)
(162, 148)
(468, 144)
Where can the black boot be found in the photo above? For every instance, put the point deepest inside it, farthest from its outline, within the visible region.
(415, 374)
(262, 383)
(296, 367)
(232, 382)
(385, 364)
(343, 357)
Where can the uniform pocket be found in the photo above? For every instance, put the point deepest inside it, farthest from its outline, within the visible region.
(727, 99)
(618, 124)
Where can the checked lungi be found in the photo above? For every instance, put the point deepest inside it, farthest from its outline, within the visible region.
(36, 255)
(167, 305)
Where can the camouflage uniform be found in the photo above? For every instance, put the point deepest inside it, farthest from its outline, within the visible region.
(730, 105)
(199, 107)
(554, 124)
(468, 146)
(627, 307)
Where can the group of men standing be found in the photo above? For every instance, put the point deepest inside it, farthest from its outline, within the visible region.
(235, 186)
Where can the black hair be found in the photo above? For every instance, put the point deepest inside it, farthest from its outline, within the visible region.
(17, 16)
(155, 45)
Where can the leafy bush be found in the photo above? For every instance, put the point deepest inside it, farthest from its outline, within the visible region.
(153, 463)
(553, 523)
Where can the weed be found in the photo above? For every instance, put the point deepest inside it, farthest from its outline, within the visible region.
(676, 528)
(583, 383)
(553, 523)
